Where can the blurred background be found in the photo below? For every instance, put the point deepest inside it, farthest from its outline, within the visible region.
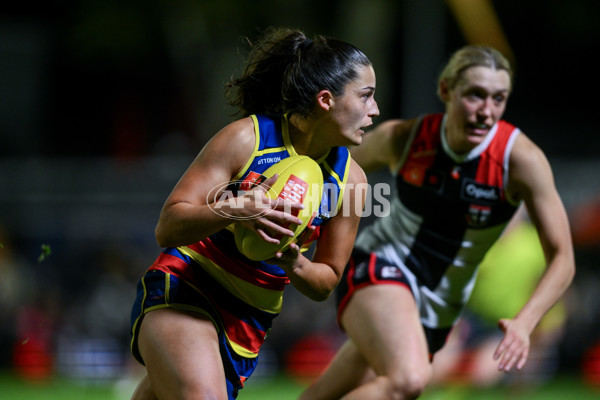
(105, 103)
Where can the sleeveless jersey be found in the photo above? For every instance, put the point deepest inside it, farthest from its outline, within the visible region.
(447, 212)
(247, 295)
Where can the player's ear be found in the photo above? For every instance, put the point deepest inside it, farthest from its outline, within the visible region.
(444, 90)
(325, 99)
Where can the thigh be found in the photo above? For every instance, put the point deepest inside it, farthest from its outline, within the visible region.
(181, 354)
(347, 371)
(383, 321)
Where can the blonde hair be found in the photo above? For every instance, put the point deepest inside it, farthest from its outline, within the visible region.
(472, 56)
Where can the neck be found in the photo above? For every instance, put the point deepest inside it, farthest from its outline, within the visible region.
(305, 137)
(453, 139)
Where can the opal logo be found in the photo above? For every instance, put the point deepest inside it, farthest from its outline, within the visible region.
(478, 191)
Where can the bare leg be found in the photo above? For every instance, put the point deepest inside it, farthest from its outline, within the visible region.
(383, 325)
(347, 370)
(181, 352)
(143, 391)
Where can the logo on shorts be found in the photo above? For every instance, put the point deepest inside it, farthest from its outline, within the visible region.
(360, 271)
(391, 271)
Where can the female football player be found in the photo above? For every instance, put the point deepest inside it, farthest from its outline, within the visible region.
(460, 177)
(203, 309)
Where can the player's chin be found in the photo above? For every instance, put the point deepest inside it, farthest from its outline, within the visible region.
(357, 138)
(475, 139)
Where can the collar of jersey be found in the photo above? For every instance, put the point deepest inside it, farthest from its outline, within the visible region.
(474, 153)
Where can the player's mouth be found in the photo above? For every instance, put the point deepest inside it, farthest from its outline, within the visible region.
(478, 128)
(361, 130)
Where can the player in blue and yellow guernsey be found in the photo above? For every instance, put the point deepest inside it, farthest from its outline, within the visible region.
(460, 176)
(203, 309)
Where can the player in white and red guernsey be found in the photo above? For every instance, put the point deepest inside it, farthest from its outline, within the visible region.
(460, 177)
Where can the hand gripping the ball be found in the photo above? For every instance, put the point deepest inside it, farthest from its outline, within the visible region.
(269, 218)
(293, 180)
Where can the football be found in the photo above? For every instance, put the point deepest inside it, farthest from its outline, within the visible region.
(300, 179)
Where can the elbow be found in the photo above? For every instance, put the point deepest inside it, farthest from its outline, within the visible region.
(161, 237)
(315, 293)
(326, 287)
(320, 296)
(570, 262)
(571, 272)
(567, 263)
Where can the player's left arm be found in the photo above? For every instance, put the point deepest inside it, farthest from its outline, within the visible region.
(531, 179)
(317, 278)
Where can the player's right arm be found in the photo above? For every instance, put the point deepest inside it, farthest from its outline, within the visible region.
(188, 213)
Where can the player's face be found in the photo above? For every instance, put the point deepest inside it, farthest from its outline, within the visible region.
(475, 105)
(356, 108)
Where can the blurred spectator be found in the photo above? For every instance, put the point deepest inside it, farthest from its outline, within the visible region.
(16, 287)
(29, 312)
(94, 341)
(584, 328)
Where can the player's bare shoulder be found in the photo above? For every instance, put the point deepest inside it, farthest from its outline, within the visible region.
(356, 174)
(232, 145)
(241, 132)
(528, 168)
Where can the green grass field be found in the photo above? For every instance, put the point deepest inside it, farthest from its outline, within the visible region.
(284, 388)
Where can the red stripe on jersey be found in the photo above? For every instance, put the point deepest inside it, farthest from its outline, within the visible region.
(237, 268)
(170, 264)
(423, 151)
(490, 170)
(432, 123)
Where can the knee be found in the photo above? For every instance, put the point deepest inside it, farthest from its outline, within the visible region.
(415, 383)
(410, 384)
(200, 395)
(192, 391)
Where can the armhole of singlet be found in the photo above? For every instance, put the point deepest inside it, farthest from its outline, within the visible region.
(342, 181)
(413, 132)
(254, 151)
(507, 151)
(285, 133)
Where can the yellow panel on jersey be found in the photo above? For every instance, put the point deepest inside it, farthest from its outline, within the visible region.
(262, 298)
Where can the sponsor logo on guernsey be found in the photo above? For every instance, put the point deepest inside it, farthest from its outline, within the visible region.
(268, 160)
(479, 192)
(252, 179)
(434, 180)
(413, 174)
